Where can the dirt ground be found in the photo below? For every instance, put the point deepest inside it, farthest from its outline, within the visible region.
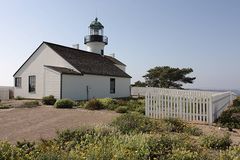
(17, 124)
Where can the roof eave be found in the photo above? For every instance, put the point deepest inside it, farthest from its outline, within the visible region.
(28, 59)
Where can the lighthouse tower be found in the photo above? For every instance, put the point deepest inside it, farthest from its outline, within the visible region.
(96, 41)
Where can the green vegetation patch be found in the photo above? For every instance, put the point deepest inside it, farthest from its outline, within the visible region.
(94, 104)
(230, 118)
(4, 106)
(30, 104)
(130, 136)
(64, 103)
(49, 100)
(216, 142)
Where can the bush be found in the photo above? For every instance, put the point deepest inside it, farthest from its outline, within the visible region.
(141, 110)
(230, 118)
(122, 109)
(233, 153)
(26, 146)
(49, 156)
(236, 102)
(193, 130)
(30, 104)
(94, 104)
(162, 146)
(19, 98)
(3, 106)
(112, 106)
(10, 152)
(105, 101)
(80, 104)
(122, 102)
(49, 100)
(175, 125)
(133, 105)
(216, 142)
(64, 103)
(183, 154)
(135, 122)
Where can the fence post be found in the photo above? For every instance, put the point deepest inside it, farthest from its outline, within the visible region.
(181, 115)
(146, 103)
(210, 114)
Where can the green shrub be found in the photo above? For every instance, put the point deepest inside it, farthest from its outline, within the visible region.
(233, 153)
(49, 100)
(30, 104)
(10, 152)
(64, 103)
(108, 103)
(141, 110)
(159, 146)
(80, 104)
(19, 98)
(133, 105)
(49, 156)
(122, 102)
(216, 142)
(162, 146)
(127, 147)
(230, 118)
(105, 101)
(135, 122)
(192, 130)
(112, 106)
(175, 125)
(26, 146)
(3, 106)
(85, 135)
(236, 102)
(121, 109)
(94, 104)
(183, 154)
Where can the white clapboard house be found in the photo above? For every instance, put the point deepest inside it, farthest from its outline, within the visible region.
(68, 72)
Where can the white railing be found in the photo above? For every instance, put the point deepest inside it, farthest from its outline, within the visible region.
(194, 106)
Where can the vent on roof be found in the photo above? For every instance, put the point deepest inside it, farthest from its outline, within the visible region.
(112, 55)
(76, 46)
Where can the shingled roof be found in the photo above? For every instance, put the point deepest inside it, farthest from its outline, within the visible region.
(115, 61)
(88, 62)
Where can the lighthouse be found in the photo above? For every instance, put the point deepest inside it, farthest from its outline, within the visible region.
(96, 40)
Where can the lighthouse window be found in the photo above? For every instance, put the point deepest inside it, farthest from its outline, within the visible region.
(102, 52)
(112, 85)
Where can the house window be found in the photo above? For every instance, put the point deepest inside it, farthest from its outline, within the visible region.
(32, 84)
(18, 82)
(112, 85)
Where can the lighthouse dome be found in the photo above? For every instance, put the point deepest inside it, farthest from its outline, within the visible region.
(96, 24)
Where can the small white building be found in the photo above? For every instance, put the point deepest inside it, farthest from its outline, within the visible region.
(67, 72)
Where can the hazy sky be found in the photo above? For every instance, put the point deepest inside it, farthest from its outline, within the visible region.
(201, 34)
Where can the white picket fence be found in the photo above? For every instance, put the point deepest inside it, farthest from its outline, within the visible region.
(194, 106)
(5, 92)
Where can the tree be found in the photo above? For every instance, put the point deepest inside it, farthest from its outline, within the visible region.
(167, 77)
(139, 84)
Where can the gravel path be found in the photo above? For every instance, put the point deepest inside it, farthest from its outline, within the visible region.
(42, 122)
